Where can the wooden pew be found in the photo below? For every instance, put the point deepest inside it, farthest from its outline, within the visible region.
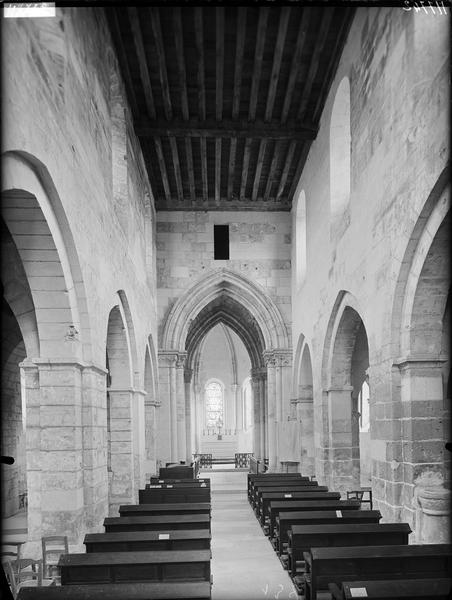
(267, 497)
(131, 567)
(288, 484)
(177, 472)
(285, 519)
(356, 563)
(187, 590)
(303, 537)
(130, 541)
(421, 589)
(176, 508)
(285, 489)
(254, 478)
(161, 495)
(157, 523)
(179, 482)
(307, 506)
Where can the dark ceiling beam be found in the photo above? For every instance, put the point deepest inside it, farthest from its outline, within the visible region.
(246, 160)
(277, 57)
(217, 170)
(176, 164)
(238, 66)
(203, 144)
(258, 56)
(199, 37)
(142, 60)
(295, 64)
(191, 175)
(336, 53)
(160, 49)
(257, 174)
(285, 173)
(179, 42)
(219, 70)
(327, 16)
(271, 175)
(232, 154)
(299, 170)
(226, 128)
(162, 165)
(123, 58)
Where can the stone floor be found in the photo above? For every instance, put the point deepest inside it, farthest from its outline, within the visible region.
(244, 564)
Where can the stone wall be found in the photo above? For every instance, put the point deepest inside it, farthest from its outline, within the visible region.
(260, 246)
(68, 127)
(397, 63)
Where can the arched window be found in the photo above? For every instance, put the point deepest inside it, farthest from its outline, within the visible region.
(363, 408)
(214, 404)
(340, 154)
(300, 239)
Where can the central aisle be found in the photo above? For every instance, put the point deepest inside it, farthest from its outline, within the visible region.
(244, 564)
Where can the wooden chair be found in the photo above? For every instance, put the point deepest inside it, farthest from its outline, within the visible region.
(23, 567)
(34, 576)
(53, 546)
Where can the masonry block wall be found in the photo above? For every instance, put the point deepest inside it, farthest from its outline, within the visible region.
(260, 246)
(397, 65)
(67, 120)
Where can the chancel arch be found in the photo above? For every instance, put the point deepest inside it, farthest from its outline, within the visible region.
(344, 369)
(228, 298)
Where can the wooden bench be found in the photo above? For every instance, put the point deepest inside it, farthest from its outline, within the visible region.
(180, 482)
(356, 563)
(263, 509)
(285, 519)
(173, 494)
(187, 590)
(177, 472)
(422, 589)
(130, 541)
(289, 488)
(255, 478)
(176, 508)
(157, 523)
(131, 567)
(278, 485)
(277, 507)
(303, 537)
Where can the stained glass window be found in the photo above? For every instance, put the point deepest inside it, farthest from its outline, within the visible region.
(214, 405)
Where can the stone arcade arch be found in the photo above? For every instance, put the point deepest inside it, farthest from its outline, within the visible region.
(304, 403)
(421, 344)
(345, 364)
(125, 409)
(227, 297)
(47, 297)
(151, 405)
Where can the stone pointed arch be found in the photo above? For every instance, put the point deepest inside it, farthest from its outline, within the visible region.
(235, 287)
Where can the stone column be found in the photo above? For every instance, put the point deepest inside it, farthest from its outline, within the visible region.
(424, 429)
(199, 414)
(55, 477)
(258, 415)
(304, 410)
(188, 373)
(340, 439)
(167, 430)
(151, 406)
(181, 408)
(432, 506)
(122, 471)
(95, 444)
(139, 439)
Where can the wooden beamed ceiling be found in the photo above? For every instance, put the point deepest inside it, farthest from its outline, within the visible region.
(226, 101)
